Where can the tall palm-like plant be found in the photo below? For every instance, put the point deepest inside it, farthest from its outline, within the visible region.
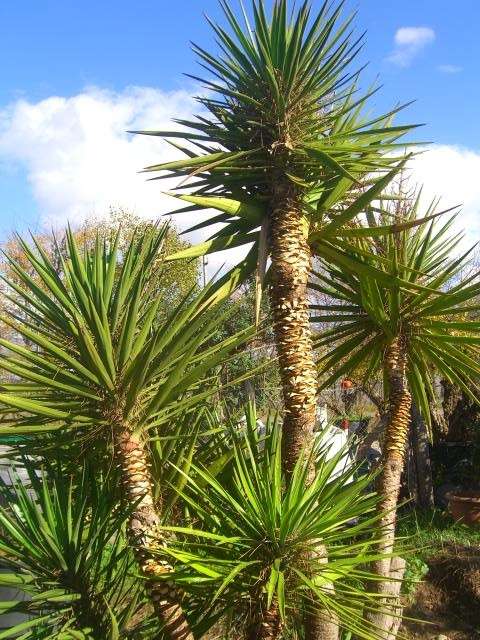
(279, 142)
(405, 327)
(250, 551)
(100, 365)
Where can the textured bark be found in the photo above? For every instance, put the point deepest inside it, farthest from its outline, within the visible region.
(409, 487)
(132, 456)
(396, 437)
(322, 624)
(291, 258)
(288, 294)
(268, 627)
(387, 622)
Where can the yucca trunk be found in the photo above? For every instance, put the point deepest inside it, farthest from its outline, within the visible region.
(288, 295)
(291, 259)
(268, 627)
(131, 455)
(90, 609)
(322, 624)
(390, 570)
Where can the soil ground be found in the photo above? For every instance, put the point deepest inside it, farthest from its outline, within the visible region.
(448, 598)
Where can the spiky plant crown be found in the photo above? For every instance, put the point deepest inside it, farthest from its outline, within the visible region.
(96, 351)
(282, 101)
(254, 536)
(64, 554)
(415, 292)
(282, 108)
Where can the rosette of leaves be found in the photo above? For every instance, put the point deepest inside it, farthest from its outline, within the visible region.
(63, 551)
(251, 553)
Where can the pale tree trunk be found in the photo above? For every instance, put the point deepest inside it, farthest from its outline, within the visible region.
(390, 570)
(322, 624)
(291, 258)
(131, 455)
(421, 448)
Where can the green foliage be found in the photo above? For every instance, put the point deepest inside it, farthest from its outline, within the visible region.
(63, 548)
(410, 292)
(425, 535)
(254, 540)
(283, 99)
(259, 355)
(178, 279)
(416, 569)
(428, 532)
(101, 353)
(283, 105)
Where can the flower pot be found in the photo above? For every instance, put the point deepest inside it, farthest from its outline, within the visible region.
(464, 506)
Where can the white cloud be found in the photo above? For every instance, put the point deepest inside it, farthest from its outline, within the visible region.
(449, 68)
(452, 173)
(409, 41)
(80, 161)
(78, 156)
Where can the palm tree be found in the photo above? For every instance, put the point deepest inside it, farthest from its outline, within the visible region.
(280, 141)
(102, 365)
(401, 323)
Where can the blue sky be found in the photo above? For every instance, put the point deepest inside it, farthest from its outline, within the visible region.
(428, 51)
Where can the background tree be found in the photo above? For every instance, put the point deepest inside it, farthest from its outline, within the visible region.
(178, 280)
(264, 387)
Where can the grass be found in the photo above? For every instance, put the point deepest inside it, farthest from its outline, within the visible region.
(430, 531)
(423, 534)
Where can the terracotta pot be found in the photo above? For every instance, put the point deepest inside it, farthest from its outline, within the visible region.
(346, 384)
(464, 507)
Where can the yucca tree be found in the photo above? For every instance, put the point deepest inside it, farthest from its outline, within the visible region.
(406, 327)
(63, 549)
(100, 365)
(279, 142)
(250, 553)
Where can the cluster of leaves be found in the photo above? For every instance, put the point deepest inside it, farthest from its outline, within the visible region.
(283, 107)
(99, 332)
(63, 549)
(255, 538)
(173, 284)
(414, 292)
(259, 355)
